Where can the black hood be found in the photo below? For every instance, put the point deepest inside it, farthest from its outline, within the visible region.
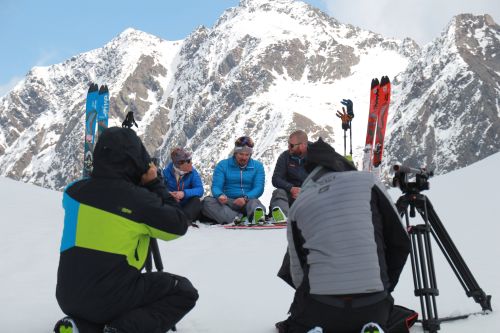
(321, 153)
(119, 153)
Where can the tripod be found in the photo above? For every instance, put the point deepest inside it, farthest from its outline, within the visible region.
(422, 262)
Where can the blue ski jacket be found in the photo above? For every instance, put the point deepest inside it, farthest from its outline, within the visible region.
(236, 182)
(190, 183)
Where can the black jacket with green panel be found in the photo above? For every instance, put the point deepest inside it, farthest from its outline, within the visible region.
(109, 220)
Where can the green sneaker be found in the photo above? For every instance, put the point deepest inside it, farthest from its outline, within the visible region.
(66, 325)
(278, 215)
(258, 216)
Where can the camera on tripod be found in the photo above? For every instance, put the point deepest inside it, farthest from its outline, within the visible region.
(422, 262)
(402, 175)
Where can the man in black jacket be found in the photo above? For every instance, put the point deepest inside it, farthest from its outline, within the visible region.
(109, 221)
(289, 173)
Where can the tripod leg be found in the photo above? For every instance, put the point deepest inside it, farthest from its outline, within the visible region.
(452, 255)
(427, 290)
(155, 251)
(148, 265)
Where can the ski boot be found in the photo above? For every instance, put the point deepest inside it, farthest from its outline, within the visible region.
(66, 325)
(240, 220)
(258, 216)
(278, 215)
(372, 328)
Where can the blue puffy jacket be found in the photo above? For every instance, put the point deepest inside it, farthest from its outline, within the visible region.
(236, 182)
(190, 183)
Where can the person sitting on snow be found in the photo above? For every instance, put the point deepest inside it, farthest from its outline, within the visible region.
(237, 184)
(288, 175)
(184, 183)
(347, 248)
(109, 221)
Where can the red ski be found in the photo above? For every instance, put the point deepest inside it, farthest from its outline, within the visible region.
(384, 97)
(372, 124)
(380, 97)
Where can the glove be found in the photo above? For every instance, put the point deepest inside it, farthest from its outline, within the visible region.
(350, 107)
(346, 119)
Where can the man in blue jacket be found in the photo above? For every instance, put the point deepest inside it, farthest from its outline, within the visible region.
(184, 183)
(237, 184)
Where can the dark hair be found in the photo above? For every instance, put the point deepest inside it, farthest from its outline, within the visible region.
(244, 141)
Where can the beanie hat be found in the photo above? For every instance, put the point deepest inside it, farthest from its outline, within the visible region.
(179, 154)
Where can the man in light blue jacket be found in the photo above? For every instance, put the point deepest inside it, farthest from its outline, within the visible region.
(237, 184)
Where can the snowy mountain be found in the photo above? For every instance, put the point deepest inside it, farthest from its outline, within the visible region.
(264, 69)
(447, 103)
(235, 271)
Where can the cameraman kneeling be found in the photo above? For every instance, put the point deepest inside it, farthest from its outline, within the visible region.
(347, 248)
(109, 221)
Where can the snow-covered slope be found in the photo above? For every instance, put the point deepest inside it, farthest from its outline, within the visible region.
(235, 271)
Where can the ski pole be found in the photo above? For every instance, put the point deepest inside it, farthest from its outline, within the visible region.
(346, 121)
(350, 111)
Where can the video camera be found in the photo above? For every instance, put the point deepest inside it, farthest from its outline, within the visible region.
(403, 173)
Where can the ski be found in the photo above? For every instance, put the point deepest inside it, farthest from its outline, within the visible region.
(266, 226)
(90, 124)
(372, 123)
(380, 98)
(384, 98)
(102, 110)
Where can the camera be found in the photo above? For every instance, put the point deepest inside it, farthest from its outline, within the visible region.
(404, 173)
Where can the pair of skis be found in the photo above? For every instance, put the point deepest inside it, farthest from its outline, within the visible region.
(96, 113)
(264, 226)
(380, 97)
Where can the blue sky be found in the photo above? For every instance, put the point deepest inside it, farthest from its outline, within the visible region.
(38, 33)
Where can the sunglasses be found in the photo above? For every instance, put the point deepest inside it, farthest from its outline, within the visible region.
(293, 145)
(181, 162)
(244, 141)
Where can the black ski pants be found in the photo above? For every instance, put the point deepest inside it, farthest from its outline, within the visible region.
(156, 302)
(307, 313)
(192, 208)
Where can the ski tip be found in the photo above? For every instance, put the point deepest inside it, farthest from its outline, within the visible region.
(385, 80)
(375, 83)
(93, 87)
(103, 89)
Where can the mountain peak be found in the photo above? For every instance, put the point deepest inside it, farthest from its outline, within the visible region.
(133, 35)
(258, 3)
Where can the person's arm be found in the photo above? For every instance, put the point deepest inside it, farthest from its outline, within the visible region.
(218, 180)
(280, 171)
(258, 182)
(159, 211)
(395, 237)
(196, 188)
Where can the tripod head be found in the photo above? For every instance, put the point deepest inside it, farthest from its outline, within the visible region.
(403, 174)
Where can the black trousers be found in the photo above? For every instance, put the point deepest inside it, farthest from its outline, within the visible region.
(192, 209)
(307, 313)
(156, 302)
